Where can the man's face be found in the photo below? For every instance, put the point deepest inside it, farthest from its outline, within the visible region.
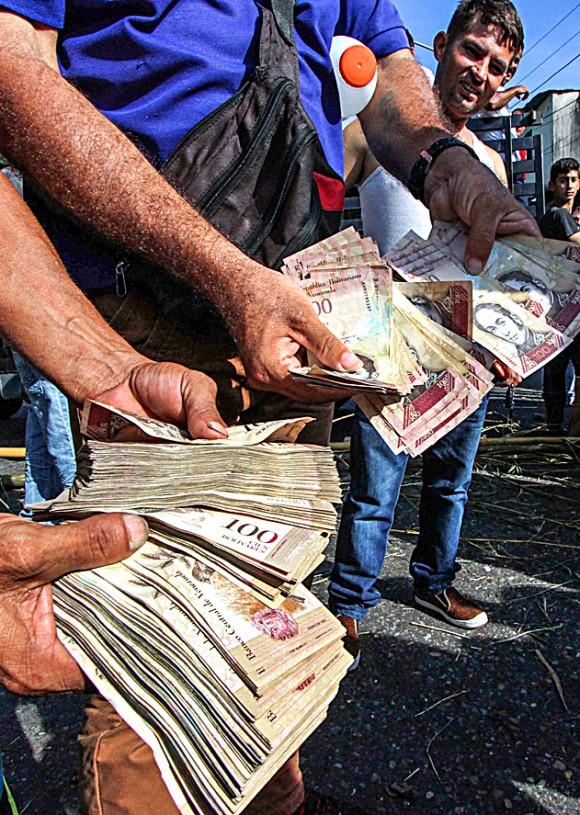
(471, 69)
(565, 188)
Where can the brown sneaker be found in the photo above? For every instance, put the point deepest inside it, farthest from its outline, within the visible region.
(453, 608)
(351, 639)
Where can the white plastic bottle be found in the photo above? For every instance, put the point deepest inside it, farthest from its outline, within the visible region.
(355, 68)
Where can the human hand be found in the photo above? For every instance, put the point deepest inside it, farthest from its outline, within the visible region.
(32, 658)
(170, 392)
(505, 374)
(458, 186)
(271, 320)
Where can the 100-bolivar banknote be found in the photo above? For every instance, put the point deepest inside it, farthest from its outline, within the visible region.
(538, 268)
(501, 322)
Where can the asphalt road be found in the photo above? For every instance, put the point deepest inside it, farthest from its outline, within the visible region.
(435, 721)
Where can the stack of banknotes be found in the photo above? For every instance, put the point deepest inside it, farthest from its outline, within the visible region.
(254, 471)
(205, 641)
(427, 332)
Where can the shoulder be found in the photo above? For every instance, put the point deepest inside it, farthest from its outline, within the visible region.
(497, 163)
(378, 25)
(355, 144)
(355, 154)
(490, 157)
(561, 217)
(566, 220)
(547, 219)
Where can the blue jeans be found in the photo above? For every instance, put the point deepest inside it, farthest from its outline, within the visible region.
(50, 457)
(369, 508)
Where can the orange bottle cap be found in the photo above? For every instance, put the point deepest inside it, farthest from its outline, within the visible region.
(357, 65)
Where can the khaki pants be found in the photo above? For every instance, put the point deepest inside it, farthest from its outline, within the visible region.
(120, 776)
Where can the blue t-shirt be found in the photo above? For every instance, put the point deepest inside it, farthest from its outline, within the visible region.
(157, 67)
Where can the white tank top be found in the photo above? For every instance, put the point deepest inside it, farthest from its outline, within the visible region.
(389, 210)
(482, 153)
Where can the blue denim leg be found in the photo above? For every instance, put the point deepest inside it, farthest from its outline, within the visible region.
(367, 516)
(50, 458)
(447, 470)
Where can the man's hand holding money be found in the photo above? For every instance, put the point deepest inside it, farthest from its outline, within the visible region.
(32, 658)
(271, 320)
(458, 186)
(170, 392)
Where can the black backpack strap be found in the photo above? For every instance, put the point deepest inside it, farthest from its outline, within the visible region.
(283, 11)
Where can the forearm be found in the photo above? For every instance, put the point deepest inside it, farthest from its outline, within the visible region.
(403, 117)
(46, 317)
(505, 96)
(90, 167)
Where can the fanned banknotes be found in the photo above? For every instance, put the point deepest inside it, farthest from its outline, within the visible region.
(542, 270)
(443, 328)
(350, 290)
(507, 320)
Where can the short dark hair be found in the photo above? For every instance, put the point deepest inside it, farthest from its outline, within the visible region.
(563, 166)
(500, 13)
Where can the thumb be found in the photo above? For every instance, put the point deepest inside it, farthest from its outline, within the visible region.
(177, 394)
(328, 349)
(46, 553)
(480, 241)
(199, 406)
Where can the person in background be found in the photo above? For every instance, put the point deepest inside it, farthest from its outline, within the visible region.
(517, 131)
(474, 56)
(558, 223)
(50, 457)
(576, 208)
(498, 107)
(520, 154)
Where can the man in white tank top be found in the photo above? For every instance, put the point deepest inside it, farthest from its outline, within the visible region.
(475, 57)
(389, 210)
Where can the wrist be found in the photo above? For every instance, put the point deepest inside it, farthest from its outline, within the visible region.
(99, 374)
(427, 159)
(244, 293)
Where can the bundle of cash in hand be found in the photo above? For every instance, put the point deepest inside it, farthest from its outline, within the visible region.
(204, 640)
(427, 331)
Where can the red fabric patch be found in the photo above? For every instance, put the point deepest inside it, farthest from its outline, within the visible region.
(331, 192)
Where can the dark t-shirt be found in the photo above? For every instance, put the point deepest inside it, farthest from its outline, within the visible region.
(558, 223)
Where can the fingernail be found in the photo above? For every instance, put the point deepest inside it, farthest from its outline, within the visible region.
(137, 529)
(219, 428)
(474, 266)
(349, 362)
